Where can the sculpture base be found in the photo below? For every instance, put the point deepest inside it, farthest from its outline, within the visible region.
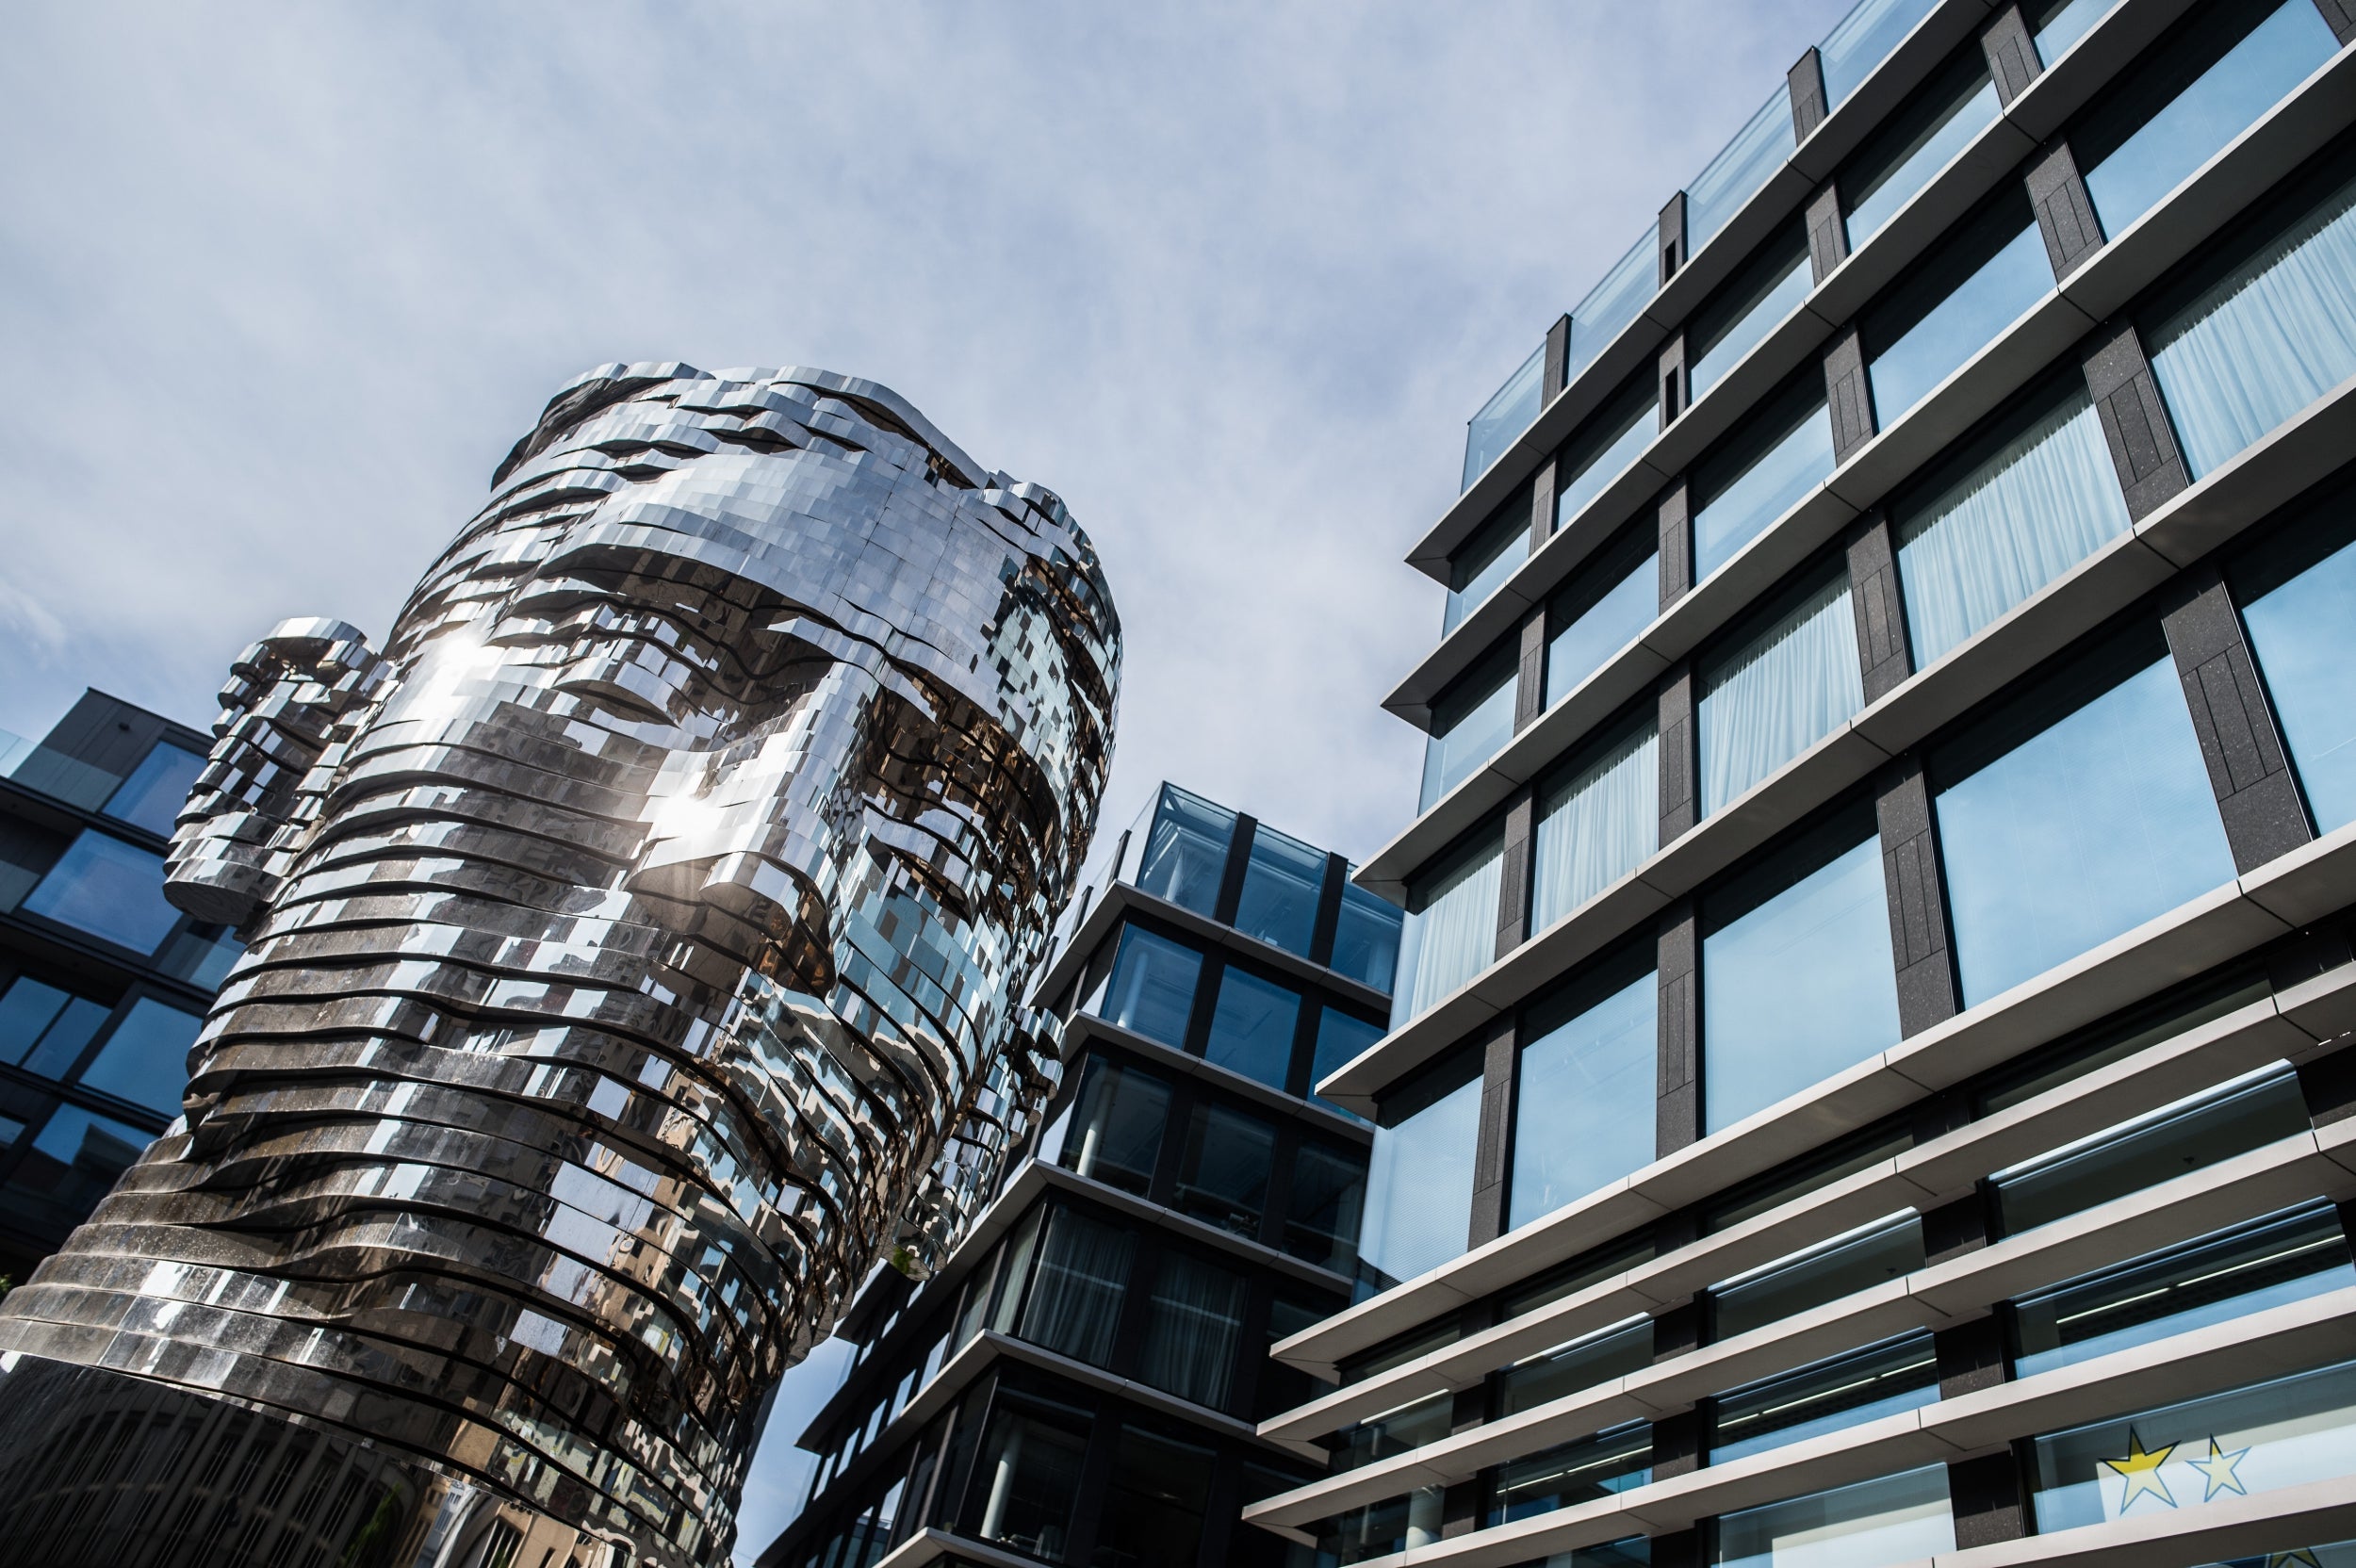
(101, 1470)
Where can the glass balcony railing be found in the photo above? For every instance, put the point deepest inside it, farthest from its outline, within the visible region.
(1738, 170)
(1504, 417)
(1865, 38)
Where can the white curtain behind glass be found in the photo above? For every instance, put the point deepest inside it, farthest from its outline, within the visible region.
(1598, 825)
(2266, 341)
(2038, 506)
(1779, 694)
(1455, 936)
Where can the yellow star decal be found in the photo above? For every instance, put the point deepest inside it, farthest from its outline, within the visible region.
(2141, 1472)
(2216, 1471)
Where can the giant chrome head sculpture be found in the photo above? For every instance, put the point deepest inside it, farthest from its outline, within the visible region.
(635, 954)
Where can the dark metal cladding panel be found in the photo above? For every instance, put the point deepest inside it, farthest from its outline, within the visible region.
(2256, 795)
(1679, 1086)
(2011, 51)
(2064, 213)
(1847, 395)
(1806, 80)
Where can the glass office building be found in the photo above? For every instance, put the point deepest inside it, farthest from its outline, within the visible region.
(1870, 1074)
(103, 985)
(1080, 1381)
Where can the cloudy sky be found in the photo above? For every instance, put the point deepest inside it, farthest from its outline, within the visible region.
(279, 286)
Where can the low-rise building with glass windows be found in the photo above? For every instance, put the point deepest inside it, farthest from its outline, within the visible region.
(1081, 1382)
(1869, 1076)
(103, 985)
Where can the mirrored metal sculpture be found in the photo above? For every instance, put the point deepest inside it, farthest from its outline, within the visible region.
(636, 947)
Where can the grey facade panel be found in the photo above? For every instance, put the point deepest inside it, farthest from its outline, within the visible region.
(1847, 393)
(2012, 56)
(2135, 420)
(2248, 768)
(2064, 213)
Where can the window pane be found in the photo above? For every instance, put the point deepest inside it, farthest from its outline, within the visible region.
(1598, 824)
(1327, 1203)
(108, 889)
(1398, 1430)
(1937, 122)
(1075, 1299)
(1281, 888)
(1585, 1116)
(1115, 1132)
(2269, 336)
(1379, 1529)
(1187, 851)
(2042, 499)
(1797, 979)
(157, 790)
(1027, 1475)
(1196, 1313)
(1768, 288)
(2253, 1440)
(43, 1028)
(1780, 690)
(1599, 1466)
(1582, 1364)
(1504, 417)
(1365, 938)
(1766, 468)
(1279, 1386)
(1615, 597)
(1252, 1028)
(2159, 1146)
(1601, 452)
(1469, 726)
(1979, 280)
(1152, 1516)
(2247, 1268)
(75, 1158)
(1831, 1396)
(2079, 811)
(146, 1059)
(1151, 990)
(1872, 1525)
(1419, 1182)
(1875, 1255)
(2058, 25)
(2191, 97)
(1485, 559)
(1340, 1037)
(1451, 931)
(1735, 174)
(1863, 40)
(2299, 602)
(1613, 303)
(1223, 1177)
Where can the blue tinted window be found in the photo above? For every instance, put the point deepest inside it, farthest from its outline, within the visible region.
(146, 1059)
(157, 788)
(1770, 286)
(108, 889)
(1340, 1039)
(1185, 852)
(2058, 25)
(1831, 1396)
(2019, 507)
(1783, 681)
(43, 1029)
(1504, 417)
(1615, 302)
(1937, 123)
(2268, 327)
(1365, 938)
(1420, 1182)
(76, 1157)
(1585, 1115)
(1601, 451)
(1979, 279)
(2299, 600)
(2190, 97)
(1767, 467)
(1281, 888)
(1486, 559)
(1863, 40)
(1615, 595)
(1470, 725)
(1251, 1027)
(1735, 175)
(1574, 1473)
(1151, 989)
(2078, 812)
(1797, 979)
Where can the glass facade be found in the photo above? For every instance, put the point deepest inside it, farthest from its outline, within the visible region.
(1253, 1027)
(1922, 137)
(1115, 1133)
(1770, 287)
(44, 1029)
(1978, 280)
(1419, 1180)
(1450, 932)
(1583, 1113)
(1616, 301)
(1771, 462)
(1365, 938)
(1151, 988)
(1581, 1471)
(1185, 850)
(1614, 437)
(2298, 598)
(1875, 1524)
(1470, 725)
(1504, 417)
(1743, 165)
(1596, 822)
(1612, 599)
(1872, 1255)
(108, 889)
(2076, 811)
(1863, 40)
(1340, 1039)
(1846, 1391)
(1485, 560)
(1223, 1173)
(146, 1059)
(1325, 1206)
(1780, 684)
(157, 788)
(1614, 1352)
(1797, 978)
(1194, 1321)
(2058, 25)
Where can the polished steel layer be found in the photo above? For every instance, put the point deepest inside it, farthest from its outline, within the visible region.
(636, 947)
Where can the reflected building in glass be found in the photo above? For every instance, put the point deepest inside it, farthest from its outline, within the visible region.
(1079, 1382)
(1869, 1076)
(103, 983)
